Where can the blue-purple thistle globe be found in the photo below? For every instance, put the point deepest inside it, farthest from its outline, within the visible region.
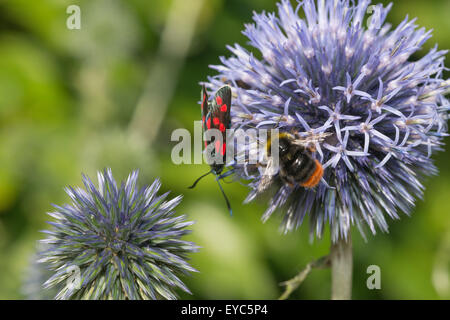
(338, 75)
(124, 240)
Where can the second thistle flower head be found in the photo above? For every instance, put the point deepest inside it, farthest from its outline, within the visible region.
(124, 240)
(332, 74)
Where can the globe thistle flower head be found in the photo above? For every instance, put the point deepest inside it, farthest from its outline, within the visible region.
(351, 86)
(124, 240)
(35, 275)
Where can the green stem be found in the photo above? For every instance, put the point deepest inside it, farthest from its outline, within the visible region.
(292, 284)
(341, 269)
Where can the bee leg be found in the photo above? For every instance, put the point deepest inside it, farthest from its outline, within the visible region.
(312, 148)
(287, 181)
(294, 132)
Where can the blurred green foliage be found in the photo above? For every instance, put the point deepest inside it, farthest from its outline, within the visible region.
(67, 98)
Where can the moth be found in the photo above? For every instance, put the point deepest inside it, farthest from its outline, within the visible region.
(216, 115)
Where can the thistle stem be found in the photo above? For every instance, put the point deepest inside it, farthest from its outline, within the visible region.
(341, 269)
(292, 284)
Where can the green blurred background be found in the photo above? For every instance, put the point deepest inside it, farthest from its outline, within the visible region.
(110, 94)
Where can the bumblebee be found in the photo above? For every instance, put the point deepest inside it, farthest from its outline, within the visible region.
(296, 165)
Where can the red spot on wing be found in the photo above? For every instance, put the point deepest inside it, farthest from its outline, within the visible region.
(217, 146)
(223, 108)
(203, 119)
(219, 100)
(222, 127)
(204, 101)
(224, 148)
(216, 121)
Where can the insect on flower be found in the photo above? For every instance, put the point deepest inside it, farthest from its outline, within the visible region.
(297, 166)
(216, 115)
(318, 69)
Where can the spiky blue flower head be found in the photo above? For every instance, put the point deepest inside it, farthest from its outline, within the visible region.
(125, 242)
(35, 275)
(350, 85)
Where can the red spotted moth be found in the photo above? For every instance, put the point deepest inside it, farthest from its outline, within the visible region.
(216, 115)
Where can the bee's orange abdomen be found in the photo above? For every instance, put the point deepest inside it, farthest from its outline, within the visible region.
(314, 179)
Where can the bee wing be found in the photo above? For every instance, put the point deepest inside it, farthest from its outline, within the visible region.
(306, 142)
(310, 139)
(269, 173)
(301, 141)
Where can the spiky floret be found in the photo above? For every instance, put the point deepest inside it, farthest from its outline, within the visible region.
(125, 240)
(35, 275)
(383, 113)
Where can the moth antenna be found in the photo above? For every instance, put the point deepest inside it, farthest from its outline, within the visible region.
(196, 181)
(225, 196)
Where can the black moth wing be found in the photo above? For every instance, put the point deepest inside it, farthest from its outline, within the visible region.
(221, 106)
(220, 116)
(204, 106)
(216, 115)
